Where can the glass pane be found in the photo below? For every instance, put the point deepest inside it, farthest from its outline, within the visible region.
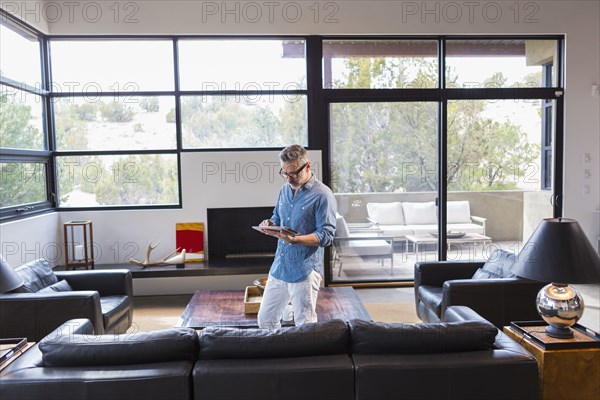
(385, 180)
(380, 64)
(106, 123)
(20, 56)
(93, 181)
(500, 63)
(262, 120)
(112, 65)
(495, 167)
(21, 121)
(242, 65)
(22, 183)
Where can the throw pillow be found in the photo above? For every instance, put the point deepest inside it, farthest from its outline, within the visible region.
(386, 213)
(60, 286)
(499, 264)
(36, 275)
(482, 274)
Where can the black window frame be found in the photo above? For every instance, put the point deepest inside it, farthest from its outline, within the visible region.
(43, 156)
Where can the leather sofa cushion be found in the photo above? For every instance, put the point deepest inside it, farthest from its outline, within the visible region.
(381, 338)
(113, 308)
(498, 265)
(36, 275)
(321, 338)
(180, 344)
(60, 286)
(432, 297)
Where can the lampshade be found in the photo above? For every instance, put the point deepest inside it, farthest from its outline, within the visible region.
(559, 252)
(9, 279)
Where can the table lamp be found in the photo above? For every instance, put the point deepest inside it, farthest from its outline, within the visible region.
(9, 279)
(558, 251)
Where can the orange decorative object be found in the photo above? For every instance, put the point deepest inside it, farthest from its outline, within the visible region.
(190, 236)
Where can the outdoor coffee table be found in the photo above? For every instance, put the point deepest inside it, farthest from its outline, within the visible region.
(226, 308)
(469, 238)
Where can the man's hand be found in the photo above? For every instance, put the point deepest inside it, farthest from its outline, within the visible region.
(280, 235)
(268, 222)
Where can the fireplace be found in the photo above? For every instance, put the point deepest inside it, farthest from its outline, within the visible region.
(233, 242)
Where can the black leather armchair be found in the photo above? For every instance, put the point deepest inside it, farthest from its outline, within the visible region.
(441, 284)
(104, 297)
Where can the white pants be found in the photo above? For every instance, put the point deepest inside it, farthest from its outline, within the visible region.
(303, 296)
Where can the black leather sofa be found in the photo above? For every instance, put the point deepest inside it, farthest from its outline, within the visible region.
(47, 299)
(500, 300)
(464, 357)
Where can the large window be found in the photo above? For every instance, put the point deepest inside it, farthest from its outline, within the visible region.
(243, 93)
(116, 96)
(25, 160)
(380, 64)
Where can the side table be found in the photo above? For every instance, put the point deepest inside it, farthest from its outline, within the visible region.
(16, 355)
(565, 373)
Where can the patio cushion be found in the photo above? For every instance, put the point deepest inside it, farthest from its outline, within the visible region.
(386, 213)
(459, 212)
(368, 247)
(341, 227)
(419, 213)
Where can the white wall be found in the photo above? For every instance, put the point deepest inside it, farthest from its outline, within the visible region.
(578, 20)
(209, 180)
(32, 238)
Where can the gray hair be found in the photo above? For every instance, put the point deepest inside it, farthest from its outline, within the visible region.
(294, 153)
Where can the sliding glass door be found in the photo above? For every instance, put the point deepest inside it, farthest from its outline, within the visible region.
(470, 152)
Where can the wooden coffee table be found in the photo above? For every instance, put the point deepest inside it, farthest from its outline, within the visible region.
(226, 308)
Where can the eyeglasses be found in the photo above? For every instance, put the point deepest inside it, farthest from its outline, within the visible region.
(293, 174)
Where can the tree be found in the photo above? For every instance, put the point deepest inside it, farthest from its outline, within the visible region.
(393, 146)
(16, 130)
(21, 183)
(115, 111)
(136, 179)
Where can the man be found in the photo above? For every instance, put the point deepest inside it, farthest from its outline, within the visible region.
(307, 206)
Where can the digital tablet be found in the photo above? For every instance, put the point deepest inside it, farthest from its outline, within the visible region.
(277, 228)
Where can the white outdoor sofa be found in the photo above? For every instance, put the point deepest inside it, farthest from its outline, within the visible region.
(398, 219)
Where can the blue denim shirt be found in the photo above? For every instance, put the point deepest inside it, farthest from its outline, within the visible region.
(312, 210)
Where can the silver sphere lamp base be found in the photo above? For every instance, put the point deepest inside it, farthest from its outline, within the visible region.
(561, 306)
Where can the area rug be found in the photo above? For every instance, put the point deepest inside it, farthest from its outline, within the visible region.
(392, 312)
(166, 317)
(155, 319)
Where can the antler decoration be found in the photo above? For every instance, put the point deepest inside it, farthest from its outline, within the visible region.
(171, 258)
